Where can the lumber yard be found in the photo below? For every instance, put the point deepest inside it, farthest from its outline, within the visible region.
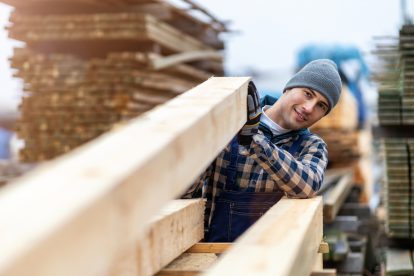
(144, 142)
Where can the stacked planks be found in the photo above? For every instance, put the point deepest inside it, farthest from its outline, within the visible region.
(395, 113)
(339, 131)
(398, 194)
(348, 145)
(88, 65)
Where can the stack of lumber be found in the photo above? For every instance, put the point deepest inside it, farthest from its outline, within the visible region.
(398, 195)
(339, 130)
(395, 111)
(348, 146)
(396, 89)
(90, 64)
(407, 68)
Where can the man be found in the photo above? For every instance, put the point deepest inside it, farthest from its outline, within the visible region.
(273, 155)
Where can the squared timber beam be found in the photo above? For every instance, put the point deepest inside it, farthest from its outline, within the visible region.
(285, 241)
(336, 196)
(76, 214)
(177, 227)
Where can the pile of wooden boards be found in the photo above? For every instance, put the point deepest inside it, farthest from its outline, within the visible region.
(88, 65)
(398, 194)
(339, 130)
(395, 113)
(348, 145)
(396, 90)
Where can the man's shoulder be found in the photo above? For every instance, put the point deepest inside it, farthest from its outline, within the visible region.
(315, 139)
(267, 100)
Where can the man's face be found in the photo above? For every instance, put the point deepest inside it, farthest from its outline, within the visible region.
(302, 107)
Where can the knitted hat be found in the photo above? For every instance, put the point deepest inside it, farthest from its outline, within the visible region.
(320, 75)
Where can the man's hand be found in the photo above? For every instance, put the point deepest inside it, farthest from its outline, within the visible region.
(254, 112)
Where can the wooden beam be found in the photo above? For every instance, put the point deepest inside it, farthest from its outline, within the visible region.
(284, 241)
(209, 247)
(189, 264)
(318, 265)
(336, 195)
(75, 215)
(177, 227)
(165, 62)
(324, 272)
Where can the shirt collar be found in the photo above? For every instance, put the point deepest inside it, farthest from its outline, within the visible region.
(273, 126)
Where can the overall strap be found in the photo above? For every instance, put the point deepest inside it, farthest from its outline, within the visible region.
(232, 167)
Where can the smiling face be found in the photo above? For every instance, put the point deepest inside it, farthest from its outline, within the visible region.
(298, 108)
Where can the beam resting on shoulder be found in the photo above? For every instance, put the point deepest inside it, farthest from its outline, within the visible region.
(74, 215)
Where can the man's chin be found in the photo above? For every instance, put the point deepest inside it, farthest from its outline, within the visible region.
(299, 126)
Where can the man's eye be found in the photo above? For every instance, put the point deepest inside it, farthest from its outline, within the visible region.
(322, 106)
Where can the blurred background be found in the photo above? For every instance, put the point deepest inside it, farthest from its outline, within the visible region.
(72, 70)
(266, 36)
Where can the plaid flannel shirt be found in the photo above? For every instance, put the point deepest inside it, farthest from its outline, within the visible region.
(267, 166)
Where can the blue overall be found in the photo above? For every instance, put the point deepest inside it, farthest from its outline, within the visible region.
(236, 210)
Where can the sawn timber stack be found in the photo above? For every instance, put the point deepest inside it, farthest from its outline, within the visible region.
(88, 65)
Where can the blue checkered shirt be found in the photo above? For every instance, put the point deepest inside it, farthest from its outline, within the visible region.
(267, 166)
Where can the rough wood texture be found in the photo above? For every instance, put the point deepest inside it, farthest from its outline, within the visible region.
(209, 247)
(189, 264)
(88, 65)
(101, 27)
(74, 215)
(177, 227)
(287, 235)
(71, 101)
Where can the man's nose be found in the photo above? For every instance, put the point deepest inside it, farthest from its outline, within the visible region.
(309, 106)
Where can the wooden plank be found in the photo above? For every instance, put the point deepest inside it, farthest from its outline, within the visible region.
(398, 262)
(101, 27)
(335, 197)
(318, 265)
(287, 235)
(324, 272)
(81, 210)
(209, 247)
(189, 264)
(165, 62)
(172, 38)
(178, 226)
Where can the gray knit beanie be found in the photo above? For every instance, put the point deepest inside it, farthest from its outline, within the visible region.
(320, 75)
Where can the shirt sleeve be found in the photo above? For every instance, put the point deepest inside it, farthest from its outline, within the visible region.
(299, 177)
(196, 188)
